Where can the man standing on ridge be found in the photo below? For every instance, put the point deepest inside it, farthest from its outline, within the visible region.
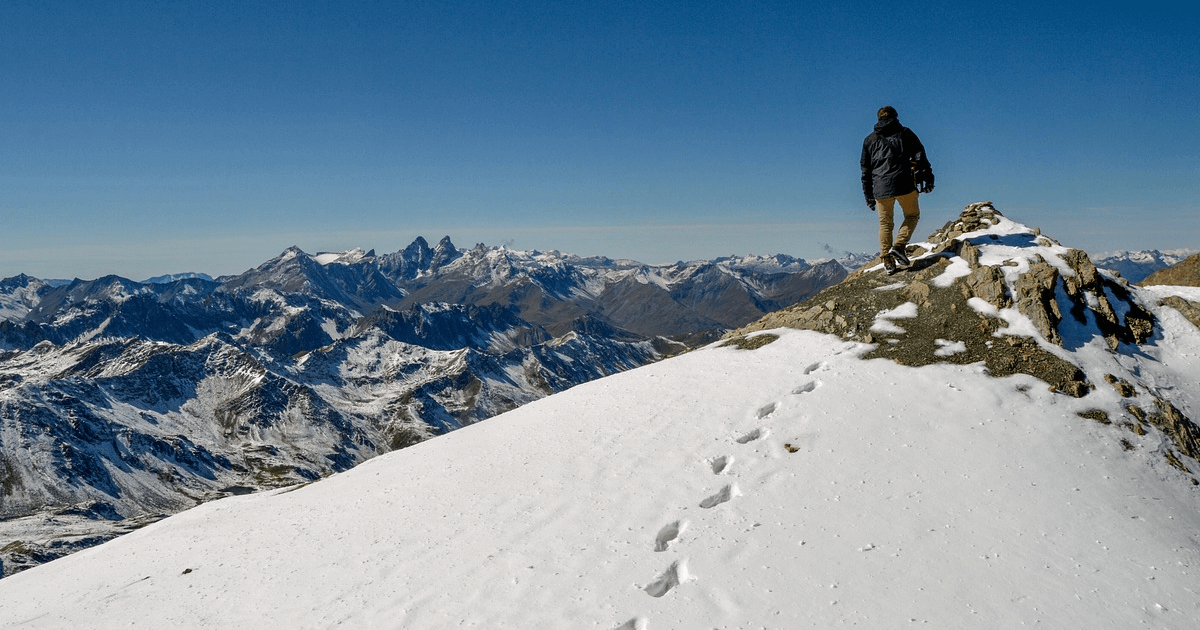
(894, 169)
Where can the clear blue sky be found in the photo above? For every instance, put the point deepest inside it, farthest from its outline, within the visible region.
(143, 138)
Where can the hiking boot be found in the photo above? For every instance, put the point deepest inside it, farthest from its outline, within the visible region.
(889, 265)
(897, 254)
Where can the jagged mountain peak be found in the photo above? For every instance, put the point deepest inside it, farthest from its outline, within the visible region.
(19, 295)
(294, 255)
(289, 253)
(418, 259)
(445, 249)
(350, 278)
(19, 281)
(418, 252)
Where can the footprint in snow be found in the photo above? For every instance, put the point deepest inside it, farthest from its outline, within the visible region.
(723, 495)
(720, 464)
(675, 575)
(668, 534)
(765, 411)
(806, 388)
(637, 623)
(756, 434)
(814, 367)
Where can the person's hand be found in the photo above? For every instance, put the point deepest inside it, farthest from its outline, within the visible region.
(871, 205)
(925, 182)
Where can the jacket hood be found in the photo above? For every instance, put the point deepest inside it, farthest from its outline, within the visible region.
(888, 126)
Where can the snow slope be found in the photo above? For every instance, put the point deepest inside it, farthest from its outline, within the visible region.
(791, 486)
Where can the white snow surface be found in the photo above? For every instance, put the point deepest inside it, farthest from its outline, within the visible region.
(792, 486)
(948, 348)
(347, 257)
(1161, 291)
(883, 320)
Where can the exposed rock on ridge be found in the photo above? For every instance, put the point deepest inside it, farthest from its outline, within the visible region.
(1186, 273)
(948, 274)
(984, 289)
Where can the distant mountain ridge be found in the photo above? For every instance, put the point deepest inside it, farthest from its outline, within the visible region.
(122, 401)
(172, 277)
(1136, 266)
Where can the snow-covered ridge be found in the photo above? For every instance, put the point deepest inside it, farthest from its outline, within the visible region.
(1146, 255)
(793, 485)
(168, 278)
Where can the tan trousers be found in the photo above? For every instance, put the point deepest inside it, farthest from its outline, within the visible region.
(886, 209)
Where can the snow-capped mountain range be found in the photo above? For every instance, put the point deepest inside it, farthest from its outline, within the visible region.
(124, 401)
(1137, 266)
(999, 436)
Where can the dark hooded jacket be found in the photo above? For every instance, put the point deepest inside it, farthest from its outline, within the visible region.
(890, 156)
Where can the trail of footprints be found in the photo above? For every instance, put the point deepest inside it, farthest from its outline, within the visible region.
(676, 573)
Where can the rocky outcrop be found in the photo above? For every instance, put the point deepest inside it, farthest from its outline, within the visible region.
(1187, 308)
(1161, 414)
(1186, 274)
(966, 308)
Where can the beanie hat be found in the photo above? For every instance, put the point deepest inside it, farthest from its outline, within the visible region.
(886, 111)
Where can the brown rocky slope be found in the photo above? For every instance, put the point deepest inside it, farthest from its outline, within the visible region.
(1184, 274)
